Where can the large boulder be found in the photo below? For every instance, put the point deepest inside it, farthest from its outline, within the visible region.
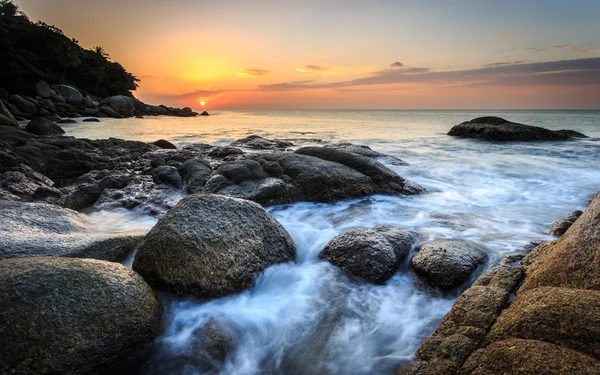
(73, 316)
(70, 94)
(211, 246)
(572, 260)
(363, 253)
(560, 226)
(165, 144)
(195, 173)
(42, 126)
(498, 129)
(6, 118)
(44, 90)
(448, 264)
(123, 105)
(23, 105)
(37, 230)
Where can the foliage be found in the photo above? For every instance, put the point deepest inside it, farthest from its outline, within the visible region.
(32, 52)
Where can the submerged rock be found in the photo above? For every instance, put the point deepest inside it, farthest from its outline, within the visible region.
(498, 129)
(448, 264)
(259, 143)
(211, 246)
(73, 316)
(42, 126)
(38, 230)
(559, 227)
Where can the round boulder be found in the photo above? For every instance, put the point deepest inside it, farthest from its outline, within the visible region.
(364, 253)
(168, 175)
(42, 126)
(73, 316)
(448, 264)
(211, 246)
(162, 143)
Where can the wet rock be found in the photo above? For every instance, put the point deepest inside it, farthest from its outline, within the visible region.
(364, 253)
(83, 196)
(42, 126)
(559, 227)
(221, 152)
(448, 264)
(570, 261)
(259, 143)
(36, 229)
(498, 129)
(533, 357)
(211, 246)
(165, 144)
(355, 149)
(92, 119)
(167, 175)
(401, 240)
(215, 343)
(195, 174)
(73, 316)
(157, 162)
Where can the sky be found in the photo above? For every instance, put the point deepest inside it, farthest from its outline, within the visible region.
(338, 54)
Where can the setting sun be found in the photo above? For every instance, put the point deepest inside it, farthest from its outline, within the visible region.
(202, 103)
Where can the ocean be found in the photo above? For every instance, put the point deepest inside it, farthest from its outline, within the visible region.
(307, 317)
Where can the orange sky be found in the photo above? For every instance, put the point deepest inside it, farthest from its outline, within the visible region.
(345, 54)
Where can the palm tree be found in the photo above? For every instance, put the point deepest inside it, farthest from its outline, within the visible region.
(10, 9)
(101, 52)
(102, 57)
(69, 57)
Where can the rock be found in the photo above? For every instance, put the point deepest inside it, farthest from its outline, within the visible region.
(559, 227)
(221, 152)
(562, 316)
(363, 253)
(25, 106)
(36, 229)
(355, 149)
(524, 357)
(498, 129)
(88, 102)
(572, 260)
(401, 240)
(448, 264)
(110, 112)
(73, 316)
(211, 246)
(67, 121)
(165, 144)
(139, 116)
(92, 119)
(58, 98)
(70, 94)
(42, 126)
(195, 173)
(157, 162)
(167, 175)
(83, 196)
(259, 143)
(123, 105)
(6, 118)
(204, 113)
(215, 342)
(44, 90)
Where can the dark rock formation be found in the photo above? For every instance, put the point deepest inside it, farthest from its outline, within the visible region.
(168, 175)
(164, 144)
(204, 113)
(42, 126)
(402, 240)
(37, 230)
(559, 227)
(448, 264)
(259, 143)
(211, 246)
(73, 316)
(363, 253)
(91, 119)
(498, 129)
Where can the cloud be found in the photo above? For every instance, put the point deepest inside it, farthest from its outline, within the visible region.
(254, 72)
(505, 36)
(561, 73)
(316, 69)
(397, 64)
(491, 65)
(569, 47)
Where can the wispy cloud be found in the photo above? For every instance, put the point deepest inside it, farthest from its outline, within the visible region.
(564, 72)
(254, 72)
(491, 65)
(397, 64)
(317, 69)
(569, 47)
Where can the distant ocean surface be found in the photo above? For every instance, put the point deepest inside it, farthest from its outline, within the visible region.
(309, 317)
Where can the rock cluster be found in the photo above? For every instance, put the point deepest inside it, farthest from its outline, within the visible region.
(498, 129)
(56, 101)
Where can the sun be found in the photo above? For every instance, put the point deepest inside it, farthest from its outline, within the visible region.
(202, 103)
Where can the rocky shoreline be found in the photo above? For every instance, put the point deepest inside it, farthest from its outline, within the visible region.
(215, 242)
(56, 102)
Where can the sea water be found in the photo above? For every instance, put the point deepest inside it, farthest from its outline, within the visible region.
(307, 317)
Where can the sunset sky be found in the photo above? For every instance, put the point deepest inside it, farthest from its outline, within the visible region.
(345, 54)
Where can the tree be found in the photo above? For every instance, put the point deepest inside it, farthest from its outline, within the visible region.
(101, 52)
(10, 9)
(70, 57)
